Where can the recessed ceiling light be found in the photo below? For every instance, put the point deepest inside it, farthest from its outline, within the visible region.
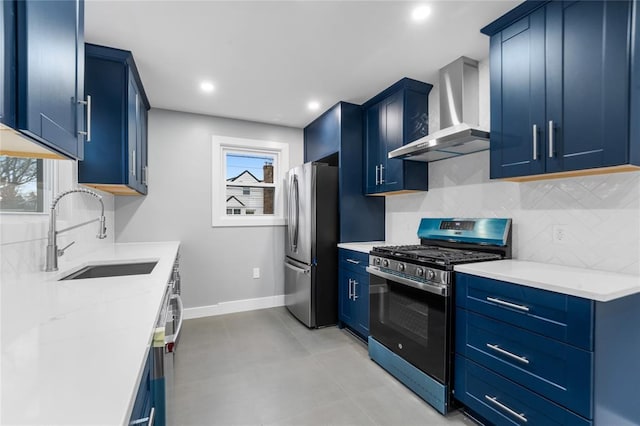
(207, 86)
(313, 105)
(420, 13)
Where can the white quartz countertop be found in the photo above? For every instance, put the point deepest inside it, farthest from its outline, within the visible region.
(73, 351)
(364, 246)
(591, 284)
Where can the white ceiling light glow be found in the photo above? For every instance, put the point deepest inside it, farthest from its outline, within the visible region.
(420, 13)
(313, 105)
(207, 86)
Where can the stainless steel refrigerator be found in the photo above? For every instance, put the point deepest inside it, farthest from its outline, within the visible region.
(311, 253)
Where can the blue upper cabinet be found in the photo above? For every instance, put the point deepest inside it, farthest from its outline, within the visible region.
(336, 137)
(395, 117)
(50, 74)
(560, 88)
(7, 64)
(116, 155)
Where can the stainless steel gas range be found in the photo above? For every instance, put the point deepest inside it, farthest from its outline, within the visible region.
(411, 300)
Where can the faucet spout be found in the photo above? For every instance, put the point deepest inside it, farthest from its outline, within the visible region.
(52, 244)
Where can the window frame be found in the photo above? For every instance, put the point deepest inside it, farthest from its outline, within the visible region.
(219, 147)
(49, 171)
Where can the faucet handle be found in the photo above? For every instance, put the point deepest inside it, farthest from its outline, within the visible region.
(61, 251)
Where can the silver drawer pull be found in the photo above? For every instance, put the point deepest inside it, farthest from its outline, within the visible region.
(509, 304)
(507, 353)
(148, 420)
(497, 403)
(355, 262)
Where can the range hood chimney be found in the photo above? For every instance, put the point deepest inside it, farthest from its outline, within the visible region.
(459, 105)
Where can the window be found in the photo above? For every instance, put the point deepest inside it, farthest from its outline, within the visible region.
(247, 181)
(25, 184)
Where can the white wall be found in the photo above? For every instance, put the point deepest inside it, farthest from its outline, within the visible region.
(23, 238)
(600, 213)
(216, 263)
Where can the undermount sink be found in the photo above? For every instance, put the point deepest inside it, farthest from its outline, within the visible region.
(111, 270)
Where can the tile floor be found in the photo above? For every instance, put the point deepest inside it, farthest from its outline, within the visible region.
(266, 368)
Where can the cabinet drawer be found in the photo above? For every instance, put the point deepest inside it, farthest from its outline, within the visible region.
(502, 402)
(553, 369)
(354, 260)
(565, 318)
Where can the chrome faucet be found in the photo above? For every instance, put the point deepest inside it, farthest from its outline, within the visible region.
(52, 246)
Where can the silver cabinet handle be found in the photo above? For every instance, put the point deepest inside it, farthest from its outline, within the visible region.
(145, 171)
(350, 291)
(133, 163)
(497, 403)
(377, 169)
(507, 353)
(535, 142)
(355, 262)
(550, 138)
(87, 134)
(148, 420)
(355, 296)
(381, 174)
(509, 304)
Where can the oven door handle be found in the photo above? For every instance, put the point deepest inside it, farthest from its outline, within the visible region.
(173, 338)
(439, 289)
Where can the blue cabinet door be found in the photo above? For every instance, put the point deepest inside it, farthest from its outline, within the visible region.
(7, 64)
(374, 131)
(116, 157)
(517, 98)
(345, 303)
(322, 136)
(396, 116)
(587, 75)
(50, 73)
(634, 111)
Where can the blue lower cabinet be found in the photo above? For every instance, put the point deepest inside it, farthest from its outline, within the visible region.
(553, 369)
(144, 401)
(353, 296)
(503, 402)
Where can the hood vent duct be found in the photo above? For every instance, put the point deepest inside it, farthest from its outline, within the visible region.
(459, 106)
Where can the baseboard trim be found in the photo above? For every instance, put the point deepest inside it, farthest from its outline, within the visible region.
(234, 306)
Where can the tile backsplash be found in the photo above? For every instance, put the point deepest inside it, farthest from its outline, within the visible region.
(600, 214)
(23, 237)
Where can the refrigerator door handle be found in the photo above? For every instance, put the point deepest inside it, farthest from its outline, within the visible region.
(295, 268)
(297, 212)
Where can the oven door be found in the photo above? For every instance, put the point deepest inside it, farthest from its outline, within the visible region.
(412, 320)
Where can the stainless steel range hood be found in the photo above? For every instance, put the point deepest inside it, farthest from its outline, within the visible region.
(459, 104)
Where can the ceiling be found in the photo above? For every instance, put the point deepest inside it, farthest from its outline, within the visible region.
(268, 59)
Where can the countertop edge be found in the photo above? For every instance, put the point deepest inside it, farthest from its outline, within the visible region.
(551, 277)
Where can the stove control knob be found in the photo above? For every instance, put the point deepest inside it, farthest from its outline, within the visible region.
(376, 261)
(400, 267)
(430, 274)
(385, 263)
(420, 272)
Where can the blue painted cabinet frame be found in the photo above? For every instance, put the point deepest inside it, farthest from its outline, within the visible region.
(353, 288)
(116, 158)
(559, 88)
(396, 116)
(43, 73)
(338, 132)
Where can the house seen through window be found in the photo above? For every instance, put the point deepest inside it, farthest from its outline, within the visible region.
(250, 188)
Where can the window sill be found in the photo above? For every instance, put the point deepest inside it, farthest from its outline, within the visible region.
(247, 221)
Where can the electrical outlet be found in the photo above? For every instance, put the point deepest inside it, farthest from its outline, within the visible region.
(559, 234)
(256, 273)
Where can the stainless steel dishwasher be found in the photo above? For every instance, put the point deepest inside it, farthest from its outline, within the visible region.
(165, 343)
